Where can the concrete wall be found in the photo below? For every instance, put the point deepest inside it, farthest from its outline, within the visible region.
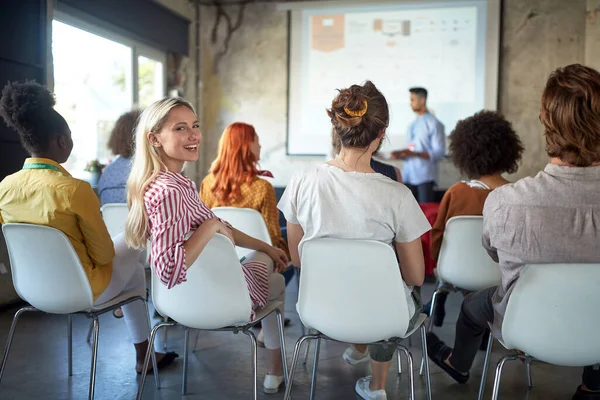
(251, 82)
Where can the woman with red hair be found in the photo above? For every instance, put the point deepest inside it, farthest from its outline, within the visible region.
(234, 179)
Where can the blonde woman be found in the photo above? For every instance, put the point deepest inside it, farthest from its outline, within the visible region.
(165, 205)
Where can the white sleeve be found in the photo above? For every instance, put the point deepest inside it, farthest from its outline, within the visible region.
(410, 222)
(289, 200)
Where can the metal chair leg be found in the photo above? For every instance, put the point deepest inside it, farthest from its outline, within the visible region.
(166, 319)
(186, 339)
(89, 334)
(313, 382)
(528, 370)
(426, 363)
(499, 375)
(280, 326)
(70, 344)
(94, 356)
(307, 349)
(254, 361)
(411, 373)
(399, 358)
(147, 357)
(11, 333)
(432, 309)
(299, 343)
(151, 348)
(486, 365)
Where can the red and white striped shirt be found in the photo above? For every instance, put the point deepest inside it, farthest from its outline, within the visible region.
(174, 209)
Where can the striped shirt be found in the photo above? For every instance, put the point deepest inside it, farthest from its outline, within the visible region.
(174, 210)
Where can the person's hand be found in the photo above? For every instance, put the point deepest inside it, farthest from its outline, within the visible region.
(280, 260)
(224, 230)
(402, 154)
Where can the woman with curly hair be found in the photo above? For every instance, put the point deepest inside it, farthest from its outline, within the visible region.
(113, 182)
(44, 193)
(483, 147)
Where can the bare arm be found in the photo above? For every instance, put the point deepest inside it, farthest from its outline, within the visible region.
(295, 235)
(412, 264)
(199, 239)
(278, 256)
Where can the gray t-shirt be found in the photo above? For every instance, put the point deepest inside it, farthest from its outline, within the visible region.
(328, 202)
(551, 218)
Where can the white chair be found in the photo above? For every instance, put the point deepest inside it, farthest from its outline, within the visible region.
(463, 263)
(246, 220)
(114, 216)
(52, 280)
(379, 313)
(551, 317)
(214, 297)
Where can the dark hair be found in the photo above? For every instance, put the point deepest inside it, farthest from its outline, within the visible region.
(27, 107)
(570, 113)
(358, 115)
(485, 144)
(419, 91)
(121, 137)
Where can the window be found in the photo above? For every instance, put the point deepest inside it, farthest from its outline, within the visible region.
(96, 79)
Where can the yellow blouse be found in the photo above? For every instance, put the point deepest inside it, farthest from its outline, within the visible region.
(259, 195)
(53, 198)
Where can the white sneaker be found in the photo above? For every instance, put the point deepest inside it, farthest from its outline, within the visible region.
(363, 390)
(353, 356)
(272, 383)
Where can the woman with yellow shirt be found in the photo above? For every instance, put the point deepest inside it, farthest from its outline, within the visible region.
(44, 193)
(234, 179)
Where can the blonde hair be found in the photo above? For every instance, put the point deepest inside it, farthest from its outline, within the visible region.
(147, 164)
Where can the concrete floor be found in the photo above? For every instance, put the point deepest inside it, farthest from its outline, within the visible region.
(220, 367)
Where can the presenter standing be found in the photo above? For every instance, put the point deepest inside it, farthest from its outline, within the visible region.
(426, 147)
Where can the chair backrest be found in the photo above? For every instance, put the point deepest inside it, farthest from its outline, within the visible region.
(352, 290)
(46, 270)
(215, 294)
(463, 262)
(114, 216)
(552, 314)
(246, 220)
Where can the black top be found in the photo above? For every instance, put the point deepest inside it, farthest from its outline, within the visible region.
(384, 169)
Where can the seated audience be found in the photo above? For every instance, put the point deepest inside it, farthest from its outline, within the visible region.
(114, 177)
(482, 147)
(165, 205)
(548, 218)
(44, 193)
(345, 199)
(382, 168)
(234, 179)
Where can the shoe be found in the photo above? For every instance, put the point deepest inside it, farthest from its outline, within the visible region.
(585, 395)
(438, 352)
(364, 391)
(353, 356)
(272, 383)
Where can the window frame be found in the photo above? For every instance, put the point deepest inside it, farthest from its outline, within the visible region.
(137, 48)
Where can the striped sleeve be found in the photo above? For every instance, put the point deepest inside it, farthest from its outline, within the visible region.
(168, 236)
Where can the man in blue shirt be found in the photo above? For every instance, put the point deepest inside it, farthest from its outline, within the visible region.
(427, 145)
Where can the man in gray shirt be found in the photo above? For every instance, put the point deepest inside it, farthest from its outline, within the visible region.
(553, 217)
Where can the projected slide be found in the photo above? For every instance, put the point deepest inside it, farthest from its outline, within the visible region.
(439, 48)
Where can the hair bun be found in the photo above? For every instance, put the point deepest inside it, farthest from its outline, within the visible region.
(21, 100)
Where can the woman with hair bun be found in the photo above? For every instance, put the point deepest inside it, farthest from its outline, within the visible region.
(44, 193)
(346, 199)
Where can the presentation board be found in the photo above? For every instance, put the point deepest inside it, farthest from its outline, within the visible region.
(448, 47)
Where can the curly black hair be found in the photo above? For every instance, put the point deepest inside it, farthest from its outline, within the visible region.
(485, 144)
(28, 108)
